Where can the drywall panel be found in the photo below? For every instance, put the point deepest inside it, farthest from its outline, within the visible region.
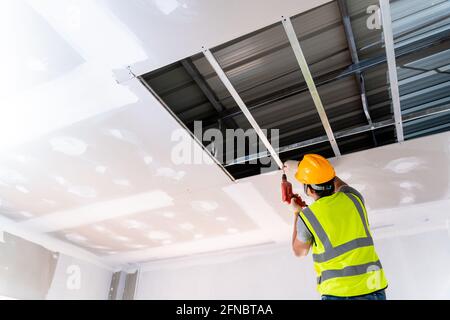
(52, 83)
(389, 177)
(156, 33)
(78, 280)
(77, 167)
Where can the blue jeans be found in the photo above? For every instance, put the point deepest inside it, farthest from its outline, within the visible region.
(379, 295)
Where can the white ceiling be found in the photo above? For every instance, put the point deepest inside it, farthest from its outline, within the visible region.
(87, 161)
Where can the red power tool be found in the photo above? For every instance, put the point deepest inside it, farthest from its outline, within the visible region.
(287, 194)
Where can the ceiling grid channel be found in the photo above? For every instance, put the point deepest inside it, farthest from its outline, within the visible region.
(226, 82)
(295, 44)
(392, 66)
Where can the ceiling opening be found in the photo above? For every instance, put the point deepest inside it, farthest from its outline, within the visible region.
(347, 59)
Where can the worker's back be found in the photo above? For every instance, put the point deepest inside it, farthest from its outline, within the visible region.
(343, 252)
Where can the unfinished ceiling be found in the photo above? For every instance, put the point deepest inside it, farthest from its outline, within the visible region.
(349, 66)
(87, 161)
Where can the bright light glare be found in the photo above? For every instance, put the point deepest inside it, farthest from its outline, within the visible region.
(30, 109)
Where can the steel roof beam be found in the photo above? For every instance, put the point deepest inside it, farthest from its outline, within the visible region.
(193, 72)
(295, 44)
(355, 59)
(226, 82)
(392, 66)
(190, 68)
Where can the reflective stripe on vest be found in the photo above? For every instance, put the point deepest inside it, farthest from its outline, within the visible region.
(349, 271)
(333, 252)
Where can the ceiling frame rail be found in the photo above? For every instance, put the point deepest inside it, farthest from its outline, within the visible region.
(226, 82)
(392, 66)
(295, 44)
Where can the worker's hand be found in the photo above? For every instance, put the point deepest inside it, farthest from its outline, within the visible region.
(294, 205)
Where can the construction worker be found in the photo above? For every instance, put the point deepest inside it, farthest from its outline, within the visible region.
(336, 227)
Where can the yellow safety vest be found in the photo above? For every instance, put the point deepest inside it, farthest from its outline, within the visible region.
(343, 252)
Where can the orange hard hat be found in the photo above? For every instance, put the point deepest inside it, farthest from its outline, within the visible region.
(314, 169)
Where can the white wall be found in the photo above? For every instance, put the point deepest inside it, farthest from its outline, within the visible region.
(416, 259)
(31, 271)
(26, 268)
(272, 273)
(417, 266)
(93, 282)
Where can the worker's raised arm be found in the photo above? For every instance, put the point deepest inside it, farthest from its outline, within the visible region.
(338, 183)
(300, 248)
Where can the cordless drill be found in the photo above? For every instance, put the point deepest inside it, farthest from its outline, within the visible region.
(287, 194)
